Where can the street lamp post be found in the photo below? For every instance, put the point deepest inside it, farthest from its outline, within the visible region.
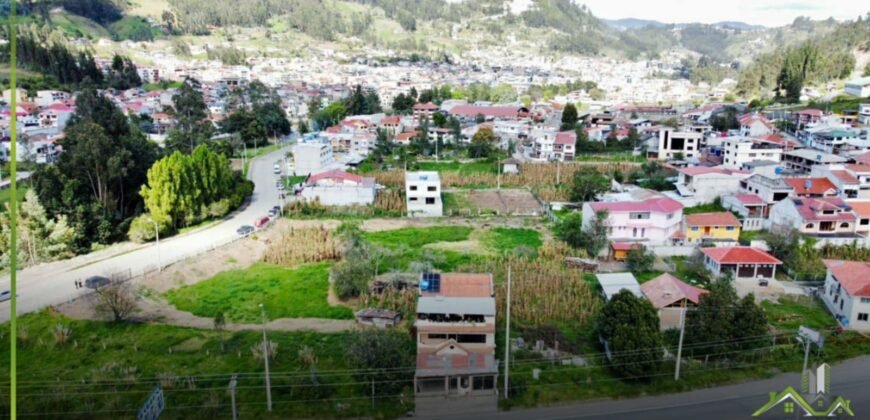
(157, 235)
(266, 360)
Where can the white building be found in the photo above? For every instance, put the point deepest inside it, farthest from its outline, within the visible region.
(673, 142)
(858, 87)
(423, 194)
(738, 151)
(705, 184)
(847, 293)
(311, 158)
(803, 160)
(339, 188)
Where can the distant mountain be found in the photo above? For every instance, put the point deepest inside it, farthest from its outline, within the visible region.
(634, 23)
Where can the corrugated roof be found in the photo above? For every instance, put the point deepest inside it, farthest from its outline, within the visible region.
(456, 305)
(612, 283)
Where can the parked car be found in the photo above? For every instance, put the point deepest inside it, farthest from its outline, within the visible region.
(95, 282)
(263, 221)
(5, 295)
(245, 230)
(277, 168)
(274, 211)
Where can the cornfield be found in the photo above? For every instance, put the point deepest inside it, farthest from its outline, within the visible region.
(532, 175)
(850, 252)
(543, 292)
(304, 245)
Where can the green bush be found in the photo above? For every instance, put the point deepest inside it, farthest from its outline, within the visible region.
(142, 229)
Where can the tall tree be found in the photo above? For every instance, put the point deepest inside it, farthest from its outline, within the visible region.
(190, 110)
(587, 184)
(569, 117)
(630, 325)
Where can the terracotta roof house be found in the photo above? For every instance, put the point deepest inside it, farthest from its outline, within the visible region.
(827, 216)
(861, 209)
(812, 187)
(743, 261)
(670, 295)
(847, 293)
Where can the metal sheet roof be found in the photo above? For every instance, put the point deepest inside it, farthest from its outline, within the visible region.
(456, 305)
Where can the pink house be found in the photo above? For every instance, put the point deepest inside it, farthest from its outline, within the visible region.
(654, 221)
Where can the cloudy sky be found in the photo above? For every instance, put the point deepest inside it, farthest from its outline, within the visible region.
(761, 12)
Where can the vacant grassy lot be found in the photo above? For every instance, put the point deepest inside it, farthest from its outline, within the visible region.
(286, 293)
(106, 370)
(6, 195)
(417, 237)
(507, 240)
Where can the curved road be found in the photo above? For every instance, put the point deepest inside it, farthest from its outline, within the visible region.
(39, 287)
(849, 379)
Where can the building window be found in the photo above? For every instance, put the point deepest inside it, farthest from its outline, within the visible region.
(729, 228)
(865, 222)
(412, 199)
(844, 225)
(430, 200)
(810, 225)
(864, 300)
(862, 317)
(413, 188)
(695, 228)
(841, 304)
(431, 188)
(638, 216)
(788, 407)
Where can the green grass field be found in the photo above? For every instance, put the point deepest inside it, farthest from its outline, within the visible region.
(107, 370)
(6, 195)
(507, 240)
(417, 237)
(704, 208)
(286, 293)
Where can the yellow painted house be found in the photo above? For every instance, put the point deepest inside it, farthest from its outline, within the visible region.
(718, 226)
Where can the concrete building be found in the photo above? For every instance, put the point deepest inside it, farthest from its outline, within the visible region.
(423, 194)
(654, 221)
(455, 328)
(803, 160)
(739, 151)
(850, 180)
(339, 188)
(858, 87)
(847, 293)
(706, 184)
(312, 157)
(685, 143)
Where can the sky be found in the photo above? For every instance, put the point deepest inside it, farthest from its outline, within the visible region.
(757, 12)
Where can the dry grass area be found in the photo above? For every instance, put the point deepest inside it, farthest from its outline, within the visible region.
(296, 246)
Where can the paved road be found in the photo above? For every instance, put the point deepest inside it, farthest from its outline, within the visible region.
(39, 287)
(850, 379)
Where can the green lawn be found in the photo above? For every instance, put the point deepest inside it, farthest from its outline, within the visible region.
(506, 240)
(417, 237)
(114, 366)
(609, 157)
(150, 87)
(286, 293)
(747, 236)
(6, 195)
(790, 313)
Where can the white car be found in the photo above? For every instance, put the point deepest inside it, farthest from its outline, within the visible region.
(5, 295)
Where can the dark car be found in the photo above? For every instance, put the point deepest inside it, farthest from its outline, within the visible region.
(274, 211)
(95, 282)
(245, 230)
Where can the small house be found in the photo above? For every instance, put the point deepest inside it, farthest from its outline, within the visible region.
(375, 317)
(743, 261)
(670, 296)
(613, 283)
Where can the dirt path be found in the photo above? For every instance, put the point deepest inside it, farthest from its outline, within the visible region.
(155, 310)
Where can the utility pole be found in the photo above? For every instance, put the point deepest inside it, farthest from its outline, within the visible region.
(558, 173)
(233, 382)
(498, 177)
(680, 347)
(507, 338)
(266, 361)
(157, 234)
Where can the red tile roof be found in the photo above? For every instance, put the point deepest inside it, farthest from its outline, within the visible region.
(811, 112)
(655, 205)
(809, 209)
(865, 158)
(859, 168)
(817, 186)
(748, 119)
(750, 199)
(336, 175)
(702, 170)
(428, 106)
(464, 285)
(860, 208)
(854, 276)
(722, 218)
(845, 176)
(488, 111)
(566, 138)
(392, 120)
(740, 255)
(667, 289)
